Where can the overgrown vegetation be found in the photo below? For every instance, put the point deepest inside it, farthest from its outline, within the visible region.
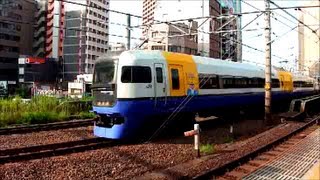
(207, 148)
(42, 109)
(228, 139)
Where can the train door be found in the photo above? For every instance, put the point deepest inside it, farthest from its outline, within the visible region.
(159, 82)
(176, 79)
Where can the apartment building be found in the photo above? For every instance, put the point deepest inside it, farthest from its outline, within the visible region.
(209, 44)
(49, 29)
(149, 7)
(158, 38)
(86, 38)
(16, 35)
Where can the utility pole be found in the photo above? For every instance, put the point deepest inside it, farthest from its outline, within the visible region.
(128, 31)
(239, 33)
(267, 105)
(202, 34)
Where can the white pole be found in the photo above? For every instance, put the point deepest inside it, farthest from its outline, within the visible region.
(197, 139)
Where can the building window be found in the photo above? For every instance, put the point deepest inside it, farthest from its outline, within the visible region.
(173, 49)
(157, 47)
(154, 34)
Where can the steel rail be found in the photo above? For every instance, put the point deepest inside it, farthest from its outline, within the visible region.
(235, 163)
(46, 127)
(49, 150)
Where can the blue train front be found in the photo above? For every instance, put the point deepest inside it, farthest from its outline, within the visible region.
(136, 91)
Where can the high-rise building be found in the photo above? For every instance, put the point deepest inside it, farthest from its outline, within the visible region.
(16, 35)
(49, 29)
(148, 14)
(216, 45)
(86, 38)
(309, 40)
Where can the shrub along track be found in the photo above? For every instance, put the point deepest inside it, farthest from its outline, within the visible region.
(46, 127)
(48, 150)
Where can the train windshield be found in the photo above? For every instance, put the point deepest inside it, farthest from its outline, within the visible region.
(104, 81)
(104, 72)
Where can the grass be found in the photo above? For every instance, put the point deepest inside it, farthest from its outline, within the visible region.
(228, 139)
(207, 148)
(41, 109)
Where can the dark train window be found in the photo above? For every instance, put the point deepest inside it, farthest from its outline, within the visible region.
(159, 75)
(136, 74)
(275, 83)
(175, 79)
(241, 82)
(228, 82)
(208, 81)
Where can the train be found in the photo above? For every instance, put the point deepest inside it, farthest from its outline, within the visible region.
(136, 92)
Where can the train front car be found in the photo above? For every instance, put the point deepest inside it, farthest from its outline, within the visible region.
(124, 90)
(104, 92)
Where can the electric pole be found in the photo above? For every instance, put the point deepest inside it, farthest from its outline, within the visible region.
(128, 31)
(267, 106)
(239, 33)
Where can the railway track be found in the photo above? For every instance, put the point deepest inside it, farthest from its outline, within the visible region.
(222, 171)
(41, 151)
(46, 127)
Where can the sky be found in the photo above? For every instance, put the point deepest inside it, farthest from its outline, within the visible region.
(284, 46)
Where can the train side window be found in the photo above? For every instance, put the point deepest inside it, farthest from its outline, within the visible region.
(136, 74)
(159, 75)
(175, 79)
(126, 76)
(228, 82)
(208, 81)
(275, 83)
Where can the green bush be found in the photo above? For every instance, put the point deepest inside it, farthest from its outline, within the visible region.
(38, 117)
(41, 109)
(207, 148)
(86, 115)
(228, 139)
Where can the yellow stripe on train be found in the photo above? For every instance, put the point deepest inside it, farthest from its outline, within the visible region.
(285, 79)
(181, 68)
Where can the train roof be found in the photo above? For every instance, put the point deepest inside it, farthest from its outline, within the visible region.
(229, 68)
(208, 65)
(205, 65)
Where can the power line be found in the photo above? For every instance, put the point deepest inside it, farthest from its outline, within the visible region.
(170, 22)
(277, 18)
(313, 31)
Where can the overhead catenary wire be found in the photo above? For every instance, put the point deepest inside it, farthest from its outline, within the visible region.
(170, 22)
(313, 31)
(275, 18)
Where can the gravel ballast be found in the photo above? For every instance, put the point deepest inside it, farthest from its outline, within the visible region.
(128, 161)
(44, 137)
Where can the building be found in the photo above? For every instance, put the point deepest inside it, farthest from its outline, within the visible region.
(158, 38)
(49, 29)
(210, 44)
(86, 38)
(39, 74)
(16, 36)
(117, 46)
(39, 70)
(148, 14)
(309, 41)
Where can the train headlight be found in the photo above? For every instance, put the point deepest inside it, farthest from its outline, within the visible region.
(103, 103)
